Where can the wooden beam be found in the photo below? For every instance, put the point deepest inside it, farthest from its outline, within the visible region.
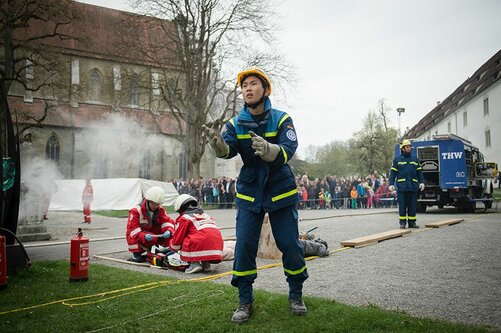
(372, 239)
(143, 264)
(443, 223)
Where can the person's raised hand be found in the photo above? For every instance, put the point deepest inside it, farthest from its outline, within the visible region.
(267, 151)
(215, 140)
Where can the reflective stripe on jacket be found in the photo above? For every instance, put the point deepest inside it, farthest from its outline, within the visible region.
(260, 184)
(139, 223)
(406, 173)
(197, 237)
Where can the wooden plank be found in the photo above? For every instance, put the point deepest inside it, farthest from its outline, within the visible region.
(442, 223)
(143, 264)
(370, 239)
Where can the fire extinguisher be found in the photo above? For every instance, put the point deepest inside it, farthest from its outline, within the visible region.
(3, 263)
(79, 258)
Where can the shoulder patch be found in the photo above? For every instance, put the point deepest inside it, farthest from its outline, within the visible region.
(291, 135)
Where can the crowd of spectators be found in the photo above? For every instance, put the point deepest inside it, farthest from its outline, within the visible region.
(352, 192)
(330, 192)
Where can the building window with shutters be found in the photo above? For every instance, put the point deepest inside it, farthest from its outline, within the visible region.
(487, 137)
(486, 106)
(95, 85)
(52, 148)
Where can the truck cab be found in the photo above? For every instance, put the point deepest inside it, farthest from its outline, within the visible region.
(455, 173)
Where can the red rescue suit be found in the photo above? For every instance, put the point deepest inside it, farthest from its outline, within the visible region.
(139, 224)
(87, 198)
(197, 238)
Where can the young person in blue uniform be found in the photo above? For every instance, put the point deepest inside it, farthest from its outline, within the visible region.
(266, 140)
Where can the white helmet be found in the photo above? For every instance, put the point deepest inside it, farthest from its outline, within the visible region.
(182, 200)
(155, 194)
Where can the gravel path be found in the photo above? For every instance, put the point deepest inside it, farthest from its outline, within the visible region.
(451, 273)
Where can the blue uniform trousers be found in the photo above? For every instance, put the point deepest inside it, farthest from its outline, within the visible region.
(407, 202)
(284, 225)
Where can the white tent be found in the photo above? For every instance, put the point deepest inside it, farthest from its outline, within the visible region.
(109, 194)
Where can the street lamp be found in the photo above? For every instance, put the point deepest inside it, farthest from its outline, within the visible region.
(400, 111)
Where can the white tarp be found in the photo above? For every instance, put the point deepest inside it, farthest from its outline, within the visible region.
(109, 194)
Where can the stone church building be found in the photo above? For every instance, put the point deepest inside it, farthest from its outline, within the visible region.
(103, 116)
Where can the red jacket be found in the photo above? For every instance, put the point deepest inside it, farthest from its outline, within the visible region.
(197, 237)
(139, 224)
(87, 194)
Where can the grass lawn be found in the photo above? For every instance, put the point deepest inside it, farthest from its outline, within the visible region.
(114, 300)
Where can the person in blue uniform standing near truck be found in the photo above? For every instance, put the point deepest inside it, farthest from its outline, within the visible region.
(266, 140)
(407, 174)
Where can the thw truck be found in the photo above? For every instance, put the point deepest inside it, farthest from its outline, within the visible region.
(455, 173)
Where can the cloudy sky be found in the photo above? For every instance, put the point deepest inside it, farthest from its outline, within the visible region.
(351, 53)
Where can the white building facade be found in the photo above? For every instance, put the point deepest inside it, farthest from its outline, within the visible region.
(472, 111)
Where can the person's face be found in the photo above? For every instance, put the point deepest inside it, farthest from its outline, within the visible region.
(153, 205)
(407, 149)
(252, 89)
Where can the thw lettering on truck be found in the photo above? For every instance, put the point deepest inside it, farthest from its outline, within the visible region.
(452, 155)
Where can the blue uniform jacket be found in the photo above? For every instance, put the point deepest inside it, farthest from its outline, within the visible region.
(407, 172)
(263, 185)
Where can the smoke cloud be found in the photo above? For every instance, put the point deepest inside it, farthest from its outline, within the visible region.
(124, 143)
(37, 186)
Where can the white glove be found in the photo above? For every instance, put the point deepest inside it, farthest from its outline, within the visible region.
(392, 188)
(216, 142)
(267, 151)
(421, 187)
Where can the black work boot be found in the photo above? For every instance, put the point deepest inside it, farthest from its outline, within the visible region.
(413, 225)
(297, 307)
(242, 313)
(402, 225)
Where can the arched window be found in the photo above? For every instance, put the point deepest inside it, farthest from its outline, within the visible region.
(52, 148)
(134, 90)
(95, 85)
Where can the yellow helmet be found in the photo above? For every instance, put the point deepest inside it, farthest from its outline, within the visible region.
(256, 71)
(405, 143)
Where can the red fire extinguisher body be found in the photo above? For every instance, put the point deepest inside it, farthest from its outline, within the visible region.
(3, 263)
(79, 258)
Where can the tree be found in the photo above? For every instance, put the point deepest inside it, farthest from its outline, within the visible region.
(330, 159)
(196, 42)
(25, 52)
(371, 148)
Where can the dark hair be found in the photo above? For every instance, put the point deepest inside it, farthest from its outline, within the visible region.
(263, 81)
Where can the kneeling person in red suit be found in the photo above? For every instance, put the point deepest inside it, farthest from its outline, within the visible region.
(148, 224)
(196, 236)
